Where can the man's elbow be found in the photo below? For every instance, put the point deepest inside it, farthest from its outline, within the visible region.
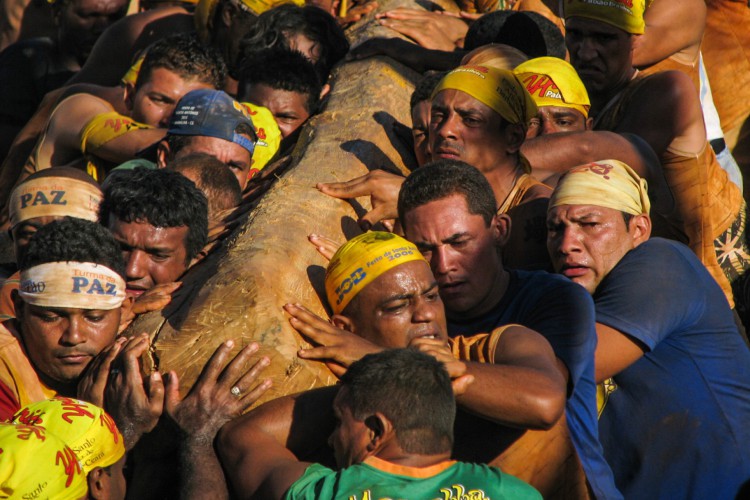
(549, 409)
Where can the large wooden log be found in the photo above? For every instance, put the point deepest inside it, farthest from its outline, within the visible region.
(239, 290)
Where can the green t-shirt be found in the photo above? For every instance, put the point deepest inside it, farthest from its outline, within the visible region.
(376, 479)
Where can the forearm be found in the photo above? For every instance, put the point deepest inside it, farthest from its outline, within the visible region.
(558, 153)
(515, 396)
(201, 475)
(126, 147)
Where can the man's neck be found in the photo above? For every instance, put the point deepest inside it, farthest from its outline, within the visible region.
(503, 179)
(404, 459)
(600, 100)
(488, 303)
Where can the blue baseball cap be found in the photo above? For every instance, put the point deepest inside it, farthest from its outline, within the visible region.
(212, 113)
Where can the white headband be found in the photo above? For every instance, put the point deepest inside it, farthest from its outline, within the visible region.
(80, 285)
(56, 196)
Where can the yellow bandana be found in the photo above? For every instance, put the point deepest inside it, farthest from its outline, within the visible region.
(35, 463)
(89, 431)
(499, 89)
(605, 183)
(54, 196)
(80, 285)
(104, 127)
(269, 136)
(362, 259)
(624, 14)
(132, 74)
(206, 9)
(553, 82)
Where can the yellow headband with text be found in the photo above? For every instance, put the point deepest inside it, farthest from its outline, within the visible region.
(54, 196)
(362, 259)
(89, 431)
(551, 81)
(80, 285)
(605, 183)
(497, 88)
(35, 463)
(624, 14)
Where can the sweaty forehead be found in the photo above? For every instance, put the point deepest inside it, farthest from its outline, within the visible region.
(412, 277)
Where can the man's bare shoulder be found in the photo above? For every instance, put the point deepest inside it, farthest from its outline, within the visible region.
(665, 88)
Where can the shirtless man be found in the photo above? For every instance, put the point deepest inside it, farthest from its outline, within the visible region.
(86, 127)
(673, 422)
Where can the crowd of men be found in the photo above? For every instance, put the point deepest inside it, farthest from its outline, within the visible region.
(567, 263)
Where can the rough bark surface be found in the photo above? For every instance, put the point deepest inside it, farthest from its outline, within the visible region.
(239, 290)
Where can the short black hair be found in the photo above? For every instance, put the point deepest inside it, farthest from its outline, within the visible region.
(443, 178)
(186, 56)
(275, 26)
(425, 86)
(282, 69)
(212, 177)
(530, 32)
(71, 239)
(413, 390)
(161, 197)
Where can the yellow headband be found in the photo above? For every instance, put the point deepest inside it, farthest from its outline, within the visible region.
(362, 259)
(89, 431)
(206, 9)
(624, 14)
(35, 463)
(605, 183)
(80, 285)
(499, 89)
(55, 196)
(553, 82)
(269, 136)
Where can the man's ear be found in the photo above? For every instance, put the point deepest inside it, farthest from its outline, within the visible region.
(127, 305)
(163, 153)
(640, 228)
(228, 12)
(129, 96)
(381, 431)
(343, 323)
(324, 91)
(514, 137)
(98, 481)
(501, 226)
(589, 123)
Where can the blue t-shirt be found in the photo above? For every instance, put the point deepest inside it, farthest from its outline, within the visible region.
(678, 424)
(563, 312)
(377, 479)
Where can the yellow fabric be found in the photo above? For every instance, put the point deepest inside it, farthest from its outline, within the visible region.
(553, 82)
(104, 127)
(362, 259)
(132, 75)
(499, 89)
(205, 11)
(35, 463)
(54, 196)
(269, 136)
(17, 373)
(624, 14)
(80, 285)
(479, 348)
(90, 432)
(606, 183)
